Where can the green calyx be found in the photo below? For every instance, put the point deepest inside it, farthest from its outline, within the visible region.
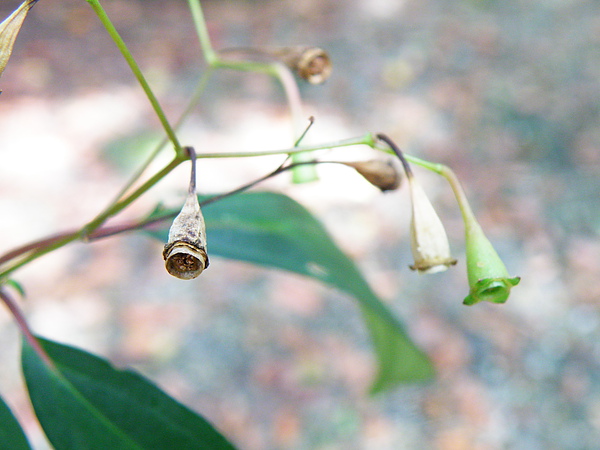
(493, 290)
(488, 278)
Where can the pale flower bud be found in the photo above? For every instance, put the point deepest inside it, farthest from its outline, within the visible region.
(429, 242)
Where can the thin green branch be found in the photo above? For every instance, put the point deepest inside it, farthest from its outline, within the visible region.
(30, 252)
(122, 204)
(199, 90)
(451, 178)
(118, 229)
(41, 250)
(27, 253)
(366, 139)
(275, 69)
(198, 17)
(116, 37)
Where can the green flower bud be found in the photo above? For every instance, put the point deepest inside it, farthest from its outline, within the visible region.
(488, 277)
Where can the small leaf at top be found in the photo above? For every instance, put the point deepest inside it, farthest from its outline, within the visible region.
(9, 29)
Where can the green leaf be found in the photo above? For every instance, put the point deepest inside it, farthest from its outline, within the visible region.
(273, 230)
(85, 403)
(11, 434)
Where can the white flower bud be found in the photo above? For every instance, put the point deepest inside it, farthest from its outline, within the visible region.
(430, 247)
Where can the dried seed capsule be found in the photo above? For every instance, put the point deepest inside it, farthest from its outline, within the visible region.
(185, 252)
(310, 63)
(382, 174)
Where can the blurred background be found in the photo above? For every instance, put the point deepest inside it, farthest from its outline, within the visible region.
(506, 93)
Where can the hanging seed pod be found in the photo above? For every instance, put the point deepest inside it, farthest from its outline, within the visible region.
(185, 252)
(382, 174)
(310, 63)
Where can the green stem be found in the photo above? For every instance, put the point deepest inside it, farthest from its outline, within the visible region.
(91, 231)
(366, 139)
(48, 245)
(112, 31)
(40, 251)
(124, 203)
(200, 23)
(450, 176)
(463, 203)
(275, 69)
(106, 213)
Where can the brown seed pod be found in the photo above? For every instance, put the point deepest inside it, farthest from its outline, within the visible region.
(185, 261)
(382, 174)
(310, 63)
(185, 251)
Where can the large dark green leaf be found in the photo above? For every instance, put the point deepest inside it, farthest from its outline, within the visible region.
(11, 434)
(85, 403)
(273, 230)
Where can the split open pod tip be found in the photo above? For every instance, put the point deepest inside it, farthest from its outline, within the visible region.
(185, 251)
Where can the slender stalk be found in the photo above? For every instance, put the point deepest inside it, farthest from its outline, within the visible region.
(24, 327)
(122, 204)
(192, 155)
(399, 153)
(275, 69)
(92, 230)
(448, 174)
(200, 87)
(42, 250)
(366, 139)
(198, 17)
(465, 209)
(16, 252)
(116, 37)
(117, 229)
(47, 245)
(311, 121)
